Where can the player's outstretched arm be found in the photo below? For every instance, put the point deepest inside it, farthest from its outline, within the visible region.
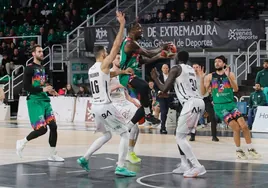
(173, 74)
(205, 81)
(105, 66)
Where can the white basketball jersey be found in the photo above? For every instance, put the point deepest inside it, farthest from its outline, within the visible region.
(186, 84)
(99, 84)
(118, 94)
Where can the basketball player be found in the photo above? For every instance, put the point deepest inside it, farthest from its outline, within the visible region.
(182, 77)
(38, 103)
(208, 105)
(130, 109)
(131, 54)
(223, 85)
(107, 118)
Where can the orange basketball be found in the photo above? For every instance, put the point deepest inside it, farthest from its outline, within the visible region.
(172, 48)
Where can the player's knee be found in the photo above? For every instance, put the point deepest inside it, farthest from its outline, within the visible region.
(107, 135)
(244, 127)
(41, 131)
(53, 126)
(180, 137)
(125, 135)
(234, 125)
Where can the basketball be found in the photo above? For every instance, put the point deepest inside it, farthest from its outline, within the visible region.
(172, 48)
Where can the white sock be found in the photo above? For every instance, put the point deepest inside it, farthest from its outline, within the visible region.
(130, 149)
(238, 148)
(97, 144)
(187, 149)
(24, 140)
(184, 161)
(147, 110)
(123, 149)
(249, 146)
(52, 150)
(130, 125)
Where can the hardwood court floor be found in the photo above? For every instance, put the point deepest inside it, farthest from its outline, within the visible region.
(159, 152)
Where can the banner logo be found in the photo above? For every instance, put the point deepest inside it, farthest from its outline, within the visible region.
(101, 33)
(241, 34)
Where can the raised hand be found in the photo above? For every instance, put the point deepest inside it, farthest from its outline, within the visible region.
(120, 17)
(154, 74)
(227, 70)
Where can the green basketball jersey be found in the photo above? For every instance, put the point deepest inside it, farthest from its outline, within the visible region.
(222, 92)
(128, 61)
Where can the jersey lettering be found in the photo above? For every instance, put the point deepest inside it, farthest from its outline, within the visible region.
(106, 114)
(94, 86)
(194, 84)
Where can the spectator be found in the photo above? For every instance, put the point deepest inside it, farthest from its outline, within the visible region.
(148, 19)
(220, 11)
(69, 91)
(154, 103)
(83, 92)
(160, 18)
(3, 48)
(5, 61)
(75, 19)
(43, 35)
(198, 14)
(10, 49)
(262, 76)
(14, 63)
(2, 67)
(187, 10)
(164, 100)
(46, 13)
(183, 18)
(52, 37)
(209, 13)
(256, 99)
(169, 17)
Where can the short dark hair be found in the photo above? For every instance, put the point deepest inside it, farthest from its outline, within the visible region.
(196, 64)
(36, 46)
(183, 56)
(133, 26)
(97, 50)
(265, 61)
(221, 57)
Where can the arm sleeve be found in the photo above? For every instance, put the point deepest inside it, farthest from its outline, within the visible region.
(263, 101)
(27, 81)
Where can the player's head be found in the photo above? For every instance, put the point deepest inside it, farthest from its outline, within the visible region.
(136, 31)
(257, 87)
(182, 57)
(116, 61)
(165, 69)
(265, 64)
(100, 52)
(220, 62)
(37, 53)
(151, 84)
(196, 66)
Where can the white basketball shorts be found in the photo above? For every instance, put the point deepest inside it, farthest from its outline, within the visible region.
(108, 118)
(191, 112)
(126, 108)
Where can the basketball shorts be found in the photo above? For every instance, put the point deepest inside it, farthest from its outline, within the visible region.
(108, 118)
(227, 112)
(126, 109)
(40, 113)
(190, 114)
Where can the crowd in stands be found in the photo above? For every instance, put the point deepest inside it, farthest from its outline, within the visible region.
(207, 10)
(52, 19)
